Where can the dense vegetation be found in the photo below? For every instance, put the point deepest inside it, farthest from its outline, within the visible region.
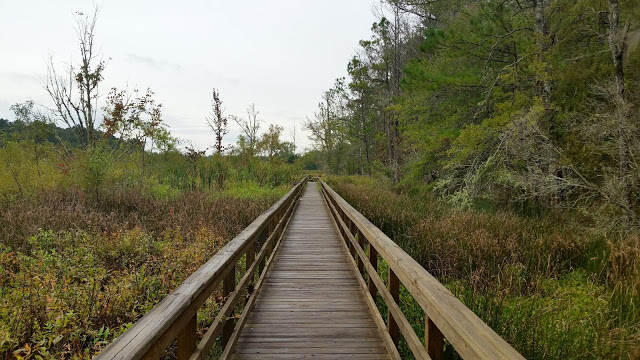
(497, 143)
(88, 245)
(547, 285)
(501, 138)
(103, 217)
(526, 104)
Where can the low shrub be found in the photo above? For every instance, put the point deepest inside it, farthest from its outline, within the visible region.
(549, 285)
(76, 273)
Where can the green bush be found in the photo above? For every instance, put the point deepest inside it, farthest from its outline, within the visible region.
(550, 286)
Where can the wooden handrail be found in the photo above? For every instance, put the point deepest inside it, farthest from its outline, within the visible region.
(445, 315)
(175, 316)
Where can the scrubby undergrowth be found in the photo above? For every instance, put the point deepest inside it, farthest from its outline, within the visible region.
(551, 287)
(76, 272)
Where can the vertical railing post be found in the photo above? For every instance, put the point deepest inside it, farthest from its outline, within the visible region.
(373, 259)
(360, 239)
(228, 286)
(260, 243)
(187, 339)
(250, 258)
(270, 232)
(394, 289)
(269, 229)
(352, 228)
(251, 254)
(433, 340)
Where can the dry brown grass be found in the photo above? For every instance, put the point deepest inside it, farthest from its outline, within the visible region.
(66, 210)
(75, 272)
(550, 285)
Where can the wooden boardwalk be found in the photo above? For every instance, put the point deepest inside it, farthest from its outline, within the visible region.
(316, 296)
(310, 304)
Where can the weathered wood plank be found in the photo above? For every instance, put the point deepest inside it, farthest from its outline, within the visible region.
(433, 340)
(468, 334)
(311, 356)
(311, 303)
(187, 339)
(152, 334)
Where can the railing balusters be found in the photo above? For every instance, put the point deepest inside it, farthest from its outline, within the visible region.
(360, 238)
(433, 340)
(228, 286)
(470, 337)
(251, 255)
(373, 259)
(269, 230)
(187, 338)
(352, 228)
(250, 258)
(261, 239)
(394, 289)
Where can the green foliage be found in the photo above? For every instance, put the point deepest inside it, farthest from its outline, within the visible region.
(550, 286)
(68, 291)
(88, 246)
(485, 104)
(97, 164)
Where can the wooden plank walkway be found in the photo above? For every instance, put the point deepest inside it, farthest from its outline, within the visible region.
(310, 304)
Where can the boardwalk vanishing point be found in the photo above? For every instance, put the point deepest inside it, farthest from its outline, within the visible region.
(310, 302)
(303, 281)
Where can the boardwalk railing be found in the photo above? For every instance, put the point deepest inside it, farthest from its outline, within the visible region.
(445, 316)
(175, 316)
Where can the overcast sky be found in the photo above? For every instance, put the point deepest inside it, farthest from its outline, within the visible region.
(280, 55)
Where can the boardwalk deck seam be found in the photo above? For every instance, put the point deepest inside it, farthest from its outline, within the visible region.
(323, 309)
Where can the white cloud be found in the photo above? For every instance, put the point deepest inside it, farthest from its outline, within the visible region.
(158, 64)
(280, 55)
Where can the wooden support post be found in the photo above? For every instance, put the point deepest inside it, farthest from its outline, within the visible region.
(360, 239)
(251, 257)
(281, 215)
(394, 289)
(433, 340)
(261, 239)
(373, 259)
(228, 286)
(270, 231)
(187, 339)
(352, 228)
(270, 226)
(352, 250)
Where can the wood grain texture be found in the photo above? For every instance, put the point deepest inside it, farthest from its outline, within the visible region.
(311, 304)
(469, 335)
(151, 335)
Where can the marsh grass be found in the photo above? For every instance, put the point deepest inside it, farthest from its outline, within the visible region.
(550, 286)
(76, 273)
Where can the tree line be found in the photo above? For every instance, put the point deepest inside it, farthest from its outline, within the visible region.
(525, 103)
(129, 123)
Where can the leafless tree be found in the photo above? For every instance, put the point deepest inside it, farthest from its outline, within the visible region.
(217, 121)
(293, 133)
(250, 127)
(74, 88)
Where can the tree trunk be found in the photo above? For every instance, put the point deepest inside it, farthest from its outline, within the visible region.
(616, 46)
(542, 32)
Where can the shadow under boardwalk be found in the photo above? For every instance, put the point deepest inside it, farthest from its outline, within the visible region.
(310, 304)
